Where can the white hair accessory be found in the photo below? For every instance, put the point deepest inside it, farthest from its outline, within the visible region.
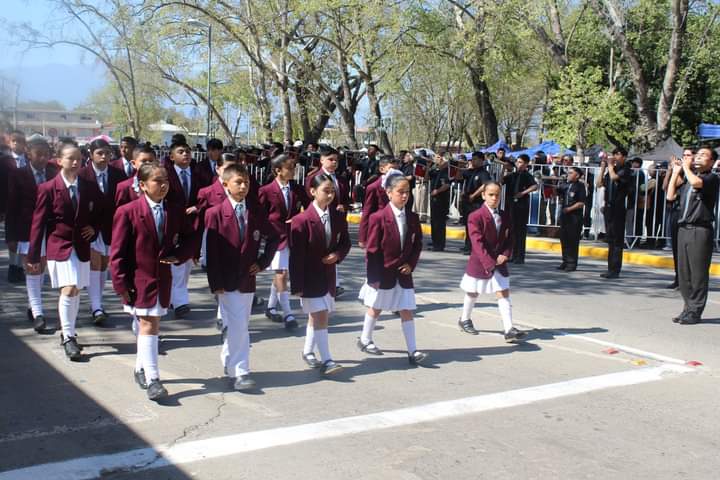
(393, 172)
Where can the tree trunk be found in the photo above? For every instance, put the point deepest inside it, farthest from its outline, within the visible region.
(679, 26)
(287, 112)
(374, 103)
(484, 104)
(468, 139)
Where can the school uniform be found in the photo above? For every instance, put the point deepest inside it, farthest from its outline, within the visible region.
(342, 190)
(184, 186)
(62, 210)
(490, 236)
(571, 224)
(375, 200)
(281, 204)
(107, 181)
(439, 205)
(315, 234)
(519, 209)
(615, 211)
(12, 162)
(206, 171)
(127, 191)
(125, 166)
(695, 244)
(394, 238)
(234, 235)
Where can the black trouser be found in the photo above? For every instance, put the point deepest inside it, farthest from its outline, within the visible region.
(615, 231)
(695, 246)
(439, 209)
(570, 231)
(674, 217)
(469, 208)
(519, 213)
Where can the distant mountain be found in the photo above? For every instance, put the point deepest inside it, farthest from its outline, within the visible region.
(70, 85)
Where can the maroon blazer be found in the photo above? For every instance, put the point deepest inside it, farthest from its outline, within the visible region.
(205, 170)
(22, 194)
(125, 192)
(228, 258)
(120, 165)
(136, 252)
(487, 243)
(308, 275)
(212, 195)
(341, 198)
(5, 169)
(115, 177)
(54, 216)
(375, 199)
(176, 194)
(383, 252)
(273, 203)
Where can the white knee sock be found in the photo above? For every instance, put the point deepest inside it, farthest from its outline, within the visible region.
(148, 351)
(273, 300)
(368, 327)
(75, 307)
(66, 312)
(34, 289)
(309, 339)
(468, 305)
(284, 298)
(321, 337)
(95, 290)
(138, 357)
(505, 308)
(409, 332)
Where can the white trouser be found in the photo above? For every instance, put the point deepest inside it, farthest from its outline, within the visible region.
(180, 277)
(235, 354)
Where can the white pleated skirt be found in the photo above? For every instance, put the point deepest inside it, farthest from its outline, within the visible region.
(70, 272)
(281, 260)
(156, 311)
(318, 304)
(24, 247)
(100, 246)
(389, 299)
(496, 283)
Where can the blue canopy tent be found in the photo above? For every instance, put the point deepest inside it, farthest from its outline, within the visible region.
(550, 148)
(708, 131)
(497, 146)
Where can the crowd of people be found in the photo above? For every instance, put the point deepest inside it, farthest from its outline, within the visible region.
(144, 216)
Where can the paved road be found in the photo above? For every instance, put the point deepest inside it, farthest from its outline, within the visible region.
(557, 406)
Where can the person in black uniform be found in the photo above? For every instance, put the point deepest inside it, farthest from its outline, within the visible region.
(697, 196)
(474, 180)
(407, 167)
(617, 177)
(673, 212)
(519, 185)
(572, 195)
(439, 187)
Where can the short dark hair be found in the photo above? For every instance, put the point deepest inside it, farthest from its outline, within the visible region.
(233, 170)
(97, 144)
(177, 145)
(178, 138)
(144, 149)
(524, 157)
(215, 144)
(326, 151)
(386, 160)
(577, 170)
(130, 140)
(278, 162)
(501, 149)
(621, 150)
(320, 179)
(479, 155)
(226, 158)
(637, 160)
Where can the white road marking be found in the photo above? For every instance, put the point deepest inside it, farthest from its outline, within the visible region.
(193, 451)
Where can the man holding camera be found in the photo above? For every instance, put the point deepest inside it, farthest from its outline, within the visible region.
(617, 177)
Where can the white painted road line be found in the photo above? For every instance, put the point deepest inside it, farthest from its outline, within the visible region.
(193, 451)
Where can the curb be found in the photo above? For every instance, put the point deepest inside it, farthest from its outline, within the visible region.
(545, 245)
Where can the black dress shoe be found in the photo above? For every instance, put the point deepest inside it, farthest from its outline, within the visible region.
(689, 319)
(329, 367)
(570, 268)
(672, 286)
(291, 324)
(339, 291)
(72, 350)
(30, 315)
(682, 315)
(156, 391)
(514, 335)
(273, 315)
(182, 311)
(369, 347)
(417, 357)
(610, 275)
(244, 383)
(140, 379)
(99, 316)
(467, 327)
(562, 266)
(311, 360)
(39, 323)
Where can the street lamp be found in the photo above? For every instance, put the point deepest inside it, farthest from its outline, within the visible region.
(197, 23)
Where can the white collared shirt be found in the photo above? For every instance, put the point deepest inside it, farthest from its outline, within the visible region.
(97, 176)
(68, 183)
(127, 164)
(152, 206)
(234, 204)
(401, 221)
(327, 225)
(496, 217)
(20, 160)
(282, 190)
(179, 171)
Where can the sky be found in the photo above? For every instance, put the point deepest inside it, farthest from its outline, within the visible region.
(60, 73)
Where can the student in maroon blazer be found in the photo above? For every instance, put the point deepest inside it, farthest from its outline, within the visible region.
(125, 162)
(129, 190)
(282, 199)
(375, 197)
(234, 236)
(107, 178)
(183, 191)
(21, 204)
(206, 169)
(393, 248)
(149, 235)
(16, 158)
(491, 243)
(68, 216)
(318, 241)
(341, 201)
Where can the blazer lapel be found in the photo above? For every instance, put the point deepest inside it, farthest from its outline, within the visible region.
(148, 220)
(316, 223)
(228, 214)
(391, 228)
(493, 233)
(64, 193)
(279, 194)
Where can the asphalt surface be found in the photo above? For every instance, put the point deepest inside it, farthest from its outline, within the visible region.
(579, 399)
